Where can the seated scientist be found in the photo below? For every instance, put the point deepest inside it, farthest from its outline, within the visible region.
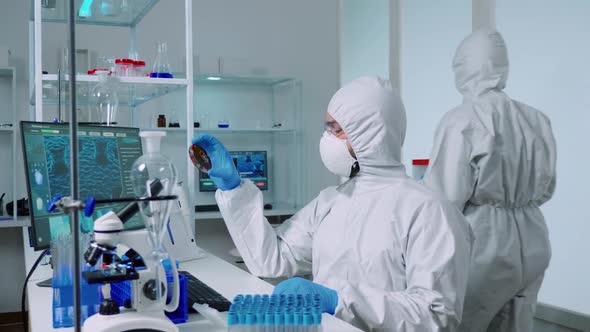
(385, 252)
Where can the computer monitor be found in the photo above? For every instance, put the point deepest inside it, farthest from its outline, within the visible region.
(250, 165)
(106, 155)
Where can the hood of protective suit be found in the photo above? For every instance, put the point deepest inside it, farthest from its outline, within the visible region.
(373, 117)
(481, 63)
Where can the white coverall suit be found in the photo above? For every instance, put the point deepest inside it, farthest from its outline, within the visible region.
(494, 157)
(396, 253)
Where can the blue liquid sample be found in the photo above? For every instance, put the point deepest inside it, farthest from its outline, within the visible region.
(223, 125)
(161, 75)
(63, 303)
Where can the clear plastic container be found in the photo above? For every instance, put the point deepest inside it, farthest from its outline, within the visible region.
(123, 67)
(138, 68)
(419, 167)
(106, 62)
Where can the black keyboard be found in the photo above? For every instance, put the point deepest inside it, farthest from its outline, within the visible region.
(199, 292)
(206, 208)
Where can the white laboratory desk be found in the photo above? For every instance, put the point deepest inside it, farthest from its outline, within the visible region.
(225, 278)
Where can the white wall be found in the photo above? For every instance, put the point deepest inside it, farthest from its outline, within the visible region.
(364, 39)
(549, 69)
(431, 31)
(290, 38)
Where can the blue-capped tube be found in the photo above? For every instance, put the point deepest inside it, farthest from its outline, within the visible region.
(307, 322)
(298, 320)
(269, 321)
(232, 322)
(279, 322)
(261, 322)
(241, 318)
(250, 323)
(317, 321)
(308, 300)
(288, 316)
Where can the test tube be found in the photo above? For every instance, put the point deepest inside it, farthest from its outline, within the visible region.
(232, 322)
(317, 321)
(269, 321)
(260, 319)
(250, 325)
(279, 322)
(241, 320)
(308, 322)
(298, 321)
(289, 322)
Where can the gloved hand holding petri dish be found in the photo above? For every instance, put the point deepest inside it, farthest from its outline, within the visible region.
(210, 156)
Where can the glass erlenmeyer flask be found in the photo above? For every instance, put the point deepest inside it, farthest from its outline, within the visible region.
(105, 100)
(161, 67)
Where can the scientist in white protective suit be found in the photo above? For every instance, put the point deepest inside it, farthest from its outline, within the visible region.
(494, 157)
(386, 253)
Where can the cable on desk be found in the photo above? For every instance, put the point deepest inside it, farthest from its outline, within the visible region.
(24, 293)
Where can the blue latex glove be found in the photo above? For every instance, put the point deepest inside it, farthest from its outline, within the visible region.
(223, 171)
(328, 296)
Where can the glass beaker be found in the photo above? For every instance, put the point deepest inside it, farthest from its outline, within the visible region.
(105, 100)
(161, 68)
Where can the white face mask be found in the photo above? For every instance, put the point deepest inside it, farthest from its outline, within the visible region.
(335, 155)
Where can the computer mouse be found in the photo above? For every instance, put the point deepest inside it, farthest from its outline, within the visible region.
(268, 206)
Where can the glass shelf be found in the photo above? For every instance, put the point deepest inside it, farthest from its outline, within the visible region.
(132, 91)
(221, 130)
(129, 14)
(245, 130)
(245, 80)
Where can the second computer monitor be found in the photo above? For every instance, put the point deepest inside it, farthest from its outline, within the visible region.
(250, 165)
